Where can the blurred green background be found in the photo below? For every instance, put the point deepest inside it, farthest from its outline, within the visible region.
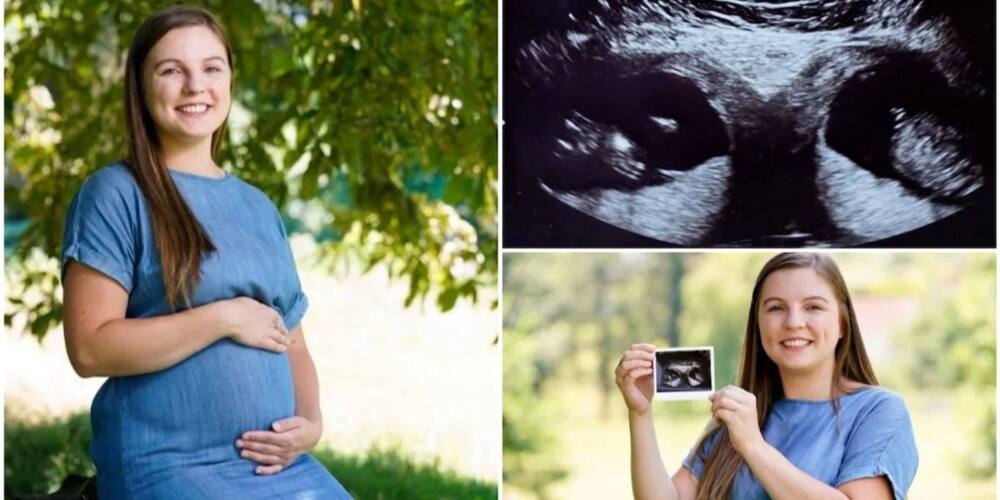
(928, 320)
(373, 128)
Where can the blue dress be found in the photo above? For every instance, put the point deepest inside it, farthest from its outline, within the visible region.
(171, 434)
(875, 438)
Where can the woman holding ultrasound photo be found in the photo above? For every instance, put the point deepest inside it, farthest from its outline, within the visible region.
(807, 419)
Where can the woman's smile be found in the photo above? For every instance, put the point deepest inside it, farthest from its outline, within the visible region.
(193, 110)
(796, 344)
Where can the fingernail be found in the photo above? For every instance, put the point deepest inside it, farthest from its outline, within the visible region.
(277, 427)
(281, 347)
(259, 470)
(239, 442)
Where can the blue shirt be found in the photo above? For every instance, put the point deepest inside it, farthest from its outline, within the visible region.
(171, 433)
(874, 438)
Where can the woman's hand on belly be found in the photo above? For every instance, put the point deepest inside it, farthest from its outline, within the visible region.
(251, 323)
(274, 450)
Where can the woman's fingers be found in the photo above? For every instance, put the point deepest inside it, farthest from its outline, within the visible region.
(631, 364)
(262, 458)
(726, 404)
(625, 375)
(265, 448)
(265, 470)
(637, 373)
(279, 324)
(724, 416)
(276, 344)
(639, 354)
(650, 348)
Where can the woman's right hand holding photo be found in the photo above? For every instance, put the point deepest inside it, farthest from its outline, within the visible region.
(634, 376)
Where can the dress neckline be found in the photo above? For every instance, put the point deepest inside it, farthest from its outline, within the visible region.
(204, 178)
(859, 390)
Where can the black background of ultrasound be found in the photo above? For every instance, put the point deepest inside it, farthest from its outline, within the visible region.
(701, 356)
(533, 219)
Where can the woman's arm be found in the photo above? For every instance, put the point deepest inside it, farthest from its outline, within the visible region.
(100, 341)
(737, 410)
(783, 480)
(649, 476)
(305, 379)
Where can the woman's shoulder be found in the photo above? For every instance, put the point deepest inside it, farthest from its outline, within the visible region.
(875, 402)
(257, 198)
(111, 187)
(113, 178)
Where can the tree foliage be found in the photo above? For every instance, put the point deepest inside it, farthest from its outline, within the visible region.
(954, 346)
(374, 122)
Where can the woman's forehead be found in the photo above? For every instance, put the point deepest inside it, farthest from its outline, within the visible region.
(187, 44)
(795, 284)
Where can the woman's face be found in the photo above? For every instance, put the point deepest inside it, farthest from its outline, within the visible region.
(186, 81)
(799, 321)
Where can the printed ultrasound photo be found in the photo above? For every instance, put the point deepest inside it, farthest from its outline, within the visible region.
(683, 373)
(738, 123)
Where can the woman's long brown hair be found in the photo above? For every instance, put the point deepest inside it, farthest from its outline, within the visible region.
(759, 375)
(180, 238)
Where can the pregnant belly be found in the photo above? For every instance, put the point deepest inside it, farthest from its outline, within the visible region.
(195, 410)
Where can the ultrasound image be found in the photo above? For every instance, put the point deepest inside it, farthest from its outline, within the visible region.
(739, 123)
(680, 371)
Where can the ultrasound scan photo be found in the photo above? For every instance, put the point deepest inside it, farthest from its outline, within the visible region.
(683, 371)
(738, 123)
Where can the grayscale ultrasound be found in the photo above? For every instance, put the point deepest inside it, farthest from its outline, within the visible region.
(749, 123)
(683, 370)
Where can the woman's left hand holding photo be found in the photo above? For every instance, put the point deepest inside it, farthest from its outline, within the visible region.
(737, 410)
(275, 450)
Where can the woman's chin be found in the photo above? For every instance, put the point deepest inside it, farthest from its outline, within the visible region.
(797, 365)
(191, 135)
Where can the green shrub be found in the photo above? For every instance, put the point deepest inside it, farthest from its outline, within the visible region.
(38, 456)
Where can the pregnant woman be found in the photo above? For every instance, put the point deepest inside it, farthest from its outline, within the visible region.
(180, 286)
(807, 420)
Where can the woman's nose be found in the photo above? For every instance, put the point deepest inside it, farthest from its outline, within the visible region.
(195, 84)
(796, 319)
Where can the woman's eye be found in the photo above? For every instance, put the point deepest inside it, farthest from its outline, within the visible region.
(775, 308)
(214, 69)
(814, 307)
(170, 71)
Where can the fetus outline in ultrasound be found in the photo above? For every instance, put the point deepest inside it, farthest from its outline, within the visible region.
(684, 373)
(845, 124)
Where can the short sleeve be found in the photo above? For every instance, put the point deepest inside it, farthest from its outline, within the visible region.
(695, 461)
(882, 444)
(294, 307)
(100, 230)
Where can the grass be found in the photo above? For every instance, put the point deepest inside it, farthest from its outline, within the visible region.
(37, 456)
